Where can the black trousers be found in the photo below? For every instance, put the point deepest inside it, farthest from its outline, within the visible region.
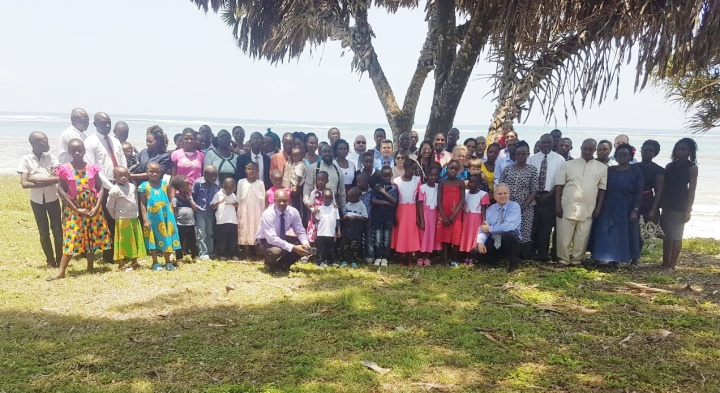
(108, 255)
(188, 241)
(44, 213)
(326, 248)
(509, 247)
(226, 236)
(543, 224)
(277, 260)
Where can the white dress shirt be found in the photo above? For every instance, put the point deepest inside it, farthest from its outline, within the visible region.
(97, 151)
(43, 167)
(356, 158)
(500, 164)
(258, 159)
(65, 137)
(554, 163)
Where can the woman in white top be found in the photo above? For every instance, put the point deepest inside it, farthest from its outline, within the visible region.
(341, 149)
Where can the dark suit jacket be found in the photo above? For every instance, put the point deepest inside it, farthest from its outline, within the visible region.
(243, 159)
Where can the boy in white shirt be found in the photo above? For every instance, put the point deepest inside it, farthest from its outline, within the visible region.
(327, 218)
(355, 217)
(225, 204)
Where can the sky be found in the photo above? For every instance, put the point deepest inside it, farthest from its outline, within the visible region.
(166, 57)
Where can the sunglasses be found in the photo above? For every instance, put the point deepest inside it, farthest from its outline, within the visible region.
(360, 143)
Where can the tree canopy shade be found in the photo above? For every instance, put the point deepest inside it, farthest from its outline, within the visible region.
(699, 93)
(544, 48)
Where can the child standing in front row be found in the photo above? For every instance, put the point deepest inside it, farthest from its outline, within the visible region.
(451, 199)
(315, 201)
(276, 177)
(355, 217)
(158, 219)
(405, 236)
(122, 204)
(184, 208)
(225, 204)
(84, 227)
(328, 219)
(475, 168)
(427, 216)
(476, 201)
(204, 190)
(384, 200)
(251, 198)
(363, 183)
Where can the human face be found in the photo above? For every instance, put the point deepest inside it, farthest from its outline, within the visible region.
(200, 142)
(277, 180)
(239, 134)
(439, 143)
(400, 160)
(404, 141)
(620, 139)
(229, 186)
(321, 182)
(360, 144)
(460, 156)
(603, 151)
(189, 142)
(502, 195)
(480, 146)
(556, 138)
(511, 145)
(327, 198)
(77, 152)
(281, 200)
(492, 154)
(224, 139)
(102, 123)
(432, 177)
(379, 136)
(353, 196)
(471, 146)
(342, 150)
(288, 142)
(452, 170)
(452, 137)
(185, 188)
(510, 136)
(647, 152)
(425, 150)
(333, 135)
(565, 147)
(154, 172)
(386, 149)
(473, 183)
(474, 170)
(121, 175)
(40, 144)
(521, 155)
(151, 143)
(587, 150)
(121, 132)
(368, 162)
(252, 173)
(210, 175)
(268, 146)
(312, 144)
(386, 176)
(128, 150)
(681, 152)
(414, 138)
(82, 122)
(362, 182)
(622, 157)
(546, 144)
(256, 141)
(327, 154)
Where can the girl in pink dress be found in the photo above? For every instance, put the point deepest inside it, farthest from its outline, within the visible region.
(276, 177)
(451, 200)
(476, 201)
(316, 200)
(188, 161)
(406, 235)
(427, 216)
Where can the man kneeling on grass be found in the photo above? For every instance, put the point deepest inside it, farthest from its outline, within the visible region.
(272, 242)
(501, 230)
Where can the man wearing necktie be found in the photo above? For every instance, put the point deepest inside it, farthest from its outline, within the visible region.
(386, 155)
(255, 155)
(272, 242)
(106, 151)
(500, 232)
(440, 155)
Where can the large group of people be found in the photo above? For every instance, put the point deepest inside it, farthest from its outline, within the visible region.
(292, 197)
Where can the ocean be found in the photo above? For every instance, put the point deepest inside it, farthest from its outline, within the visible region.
(705, 222)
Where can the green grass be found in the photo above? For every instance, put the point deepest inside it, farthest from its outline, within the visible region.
(460, 330)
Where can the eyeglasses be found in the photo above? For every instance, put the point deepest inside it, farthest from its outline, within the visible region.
(360, 143)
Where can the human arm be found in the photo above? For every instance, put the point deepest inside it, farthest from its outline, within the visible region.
(216, 200)
(511, 219)
(639, 185)
(112, 202)
(308, 187)
(692, 186)
(29, 181)
(459, 207)
(659, 185)
(420, 214)
(143, 208)
(100, 197)
(598, 204)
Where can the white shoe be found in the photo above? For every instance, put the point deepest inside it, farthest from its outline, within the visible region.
(369, 261)
(377, 262)
(383, 262)
(205, 257)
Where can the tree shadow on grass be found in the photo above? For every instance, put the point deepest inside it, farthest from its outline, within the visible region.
(459, 329)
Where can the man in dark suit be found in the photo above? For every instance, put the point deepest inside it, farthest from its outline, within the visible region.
(255, 155)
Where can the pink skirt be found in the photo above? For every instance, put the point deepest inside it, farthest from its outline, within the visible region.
(471, 225)
(428, 242)
(406, 235)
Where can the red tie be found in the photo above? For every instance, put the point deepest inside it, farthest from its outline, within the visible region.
(110, 150)
(437, 157)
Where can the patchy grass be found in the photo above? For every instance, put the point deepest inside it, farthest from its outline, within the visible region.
(460, 330)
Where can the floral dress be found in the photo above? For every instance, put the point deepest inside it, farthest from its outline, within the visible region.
(82, 234)
(162, 235)
(522, 183)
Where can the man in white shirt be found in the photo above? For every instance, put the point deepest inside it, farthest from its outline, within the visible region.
(103, 149)
(506, 160)
(359, 148)
(80, 122)
(579, 195)
(548, 164)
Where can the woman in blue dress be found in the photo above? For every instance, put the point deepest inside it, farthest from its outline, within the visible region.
(616, 236)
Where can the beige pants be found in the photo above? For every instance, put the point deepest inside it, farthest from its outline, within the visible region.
(572, 232)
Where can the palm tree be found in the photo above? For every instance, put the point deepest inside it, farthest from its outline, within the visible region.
(544, 49)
